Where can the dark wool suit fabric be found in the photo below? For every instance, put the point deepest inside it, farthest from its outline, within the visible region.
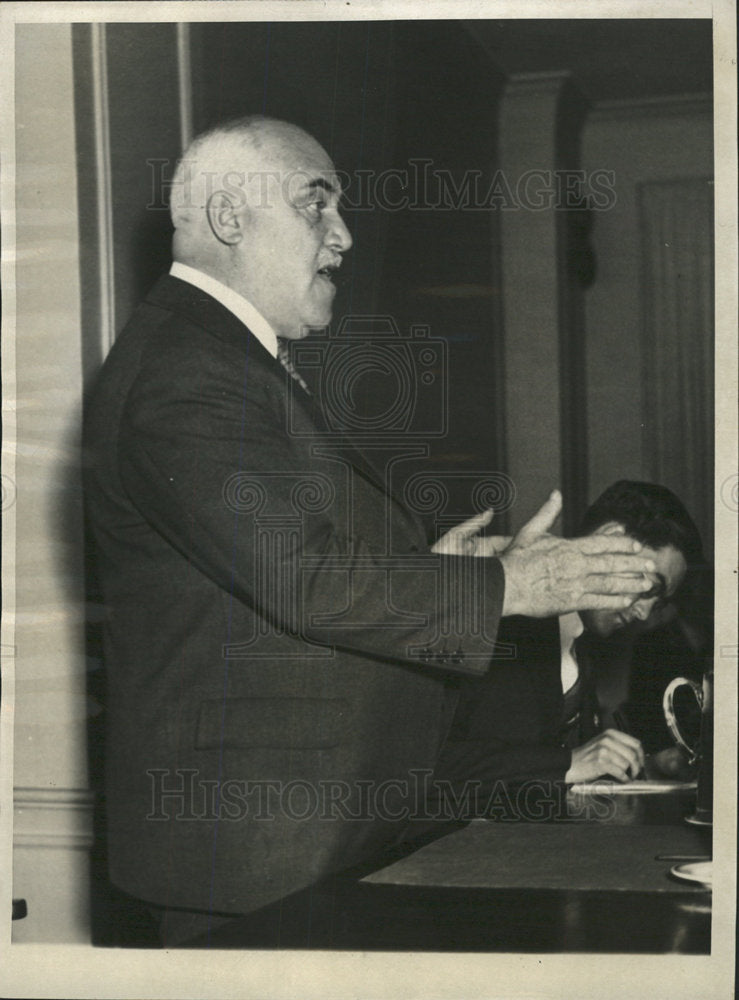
(256, 629)
(508, 724)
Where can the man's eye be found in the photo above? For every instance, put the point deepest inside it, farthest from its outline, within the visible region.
(316, 207)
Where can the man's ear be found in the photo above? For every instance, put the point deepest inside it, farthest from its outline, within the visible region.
(610, 528)
(224, 218)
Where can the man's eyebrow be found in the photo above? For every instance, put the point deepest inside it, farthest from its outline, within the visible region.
(321, 182)
(308, 187)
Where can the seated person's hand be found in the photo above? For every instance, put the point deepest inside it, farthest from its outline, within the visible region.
(669, 763)
(611, 753)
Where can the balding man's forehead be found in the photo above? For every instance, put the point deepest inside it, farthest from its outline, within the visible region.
(273, 185)
(292, 148)
(298, 166)
(263, 165)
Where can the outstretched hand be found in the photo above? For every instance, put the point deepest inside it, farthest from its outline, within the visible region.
(546, 575)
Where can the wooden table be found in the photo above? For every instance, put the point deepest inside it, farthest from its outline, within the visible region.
(586, 884)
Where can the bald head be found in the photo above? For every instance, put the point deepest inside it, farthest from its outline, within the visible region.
(254, 204)
(225, 156)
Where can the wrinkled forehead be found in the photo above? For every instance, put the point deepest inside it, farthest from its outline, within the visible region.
(272, 165)
(296, 161)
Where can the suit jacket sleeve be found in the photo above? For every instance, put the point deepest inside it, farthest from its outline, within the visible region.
(205, 458)
(482, 761)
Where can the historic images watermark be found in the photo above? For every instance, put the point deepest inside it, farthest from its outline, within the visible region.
(417, 186)
(181, 794)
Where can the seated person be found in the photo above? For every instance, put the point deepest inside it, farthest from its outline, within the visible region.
(536, 713)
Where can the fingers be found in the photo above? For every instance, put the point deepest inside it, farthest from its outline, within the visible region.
(618, 754)
(609, 593)
(609, 562)
(601, 602)
(634, 586)
(461, 540)
(630, 746)
(543, 520)
(593, 544)
(612, 752)
(494, 544)
(474, 524)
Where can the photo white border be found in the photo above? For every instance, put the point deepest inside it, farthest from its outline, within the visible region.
(83, 971)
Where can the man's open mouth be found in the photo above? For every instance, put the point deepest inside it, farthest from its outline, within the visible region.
(328, 271)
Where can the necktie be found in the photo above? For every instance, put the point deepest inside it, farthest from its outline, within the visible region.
(572, 702)
(581, 712)
(284, 355)
(571, 711)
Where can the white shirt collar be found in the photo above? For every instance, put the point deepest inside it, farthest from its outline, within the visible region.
(235, 303)
(570, 627)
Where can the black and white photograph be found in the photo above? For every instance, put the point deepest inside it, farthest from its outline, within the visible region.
(369, 500)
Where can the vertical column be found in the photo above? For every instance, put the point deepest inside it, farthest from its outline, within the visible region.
(678, 341)
(52, 806)
(277, 539)
(540, 122)
(133, 110)
(94, 105)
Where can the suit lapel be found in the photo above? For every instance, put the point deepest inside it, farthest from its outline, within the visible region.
(181, 297)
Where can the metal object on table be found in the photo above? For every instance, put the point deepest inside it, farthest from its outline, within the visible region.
(702, 752)
(698, 872)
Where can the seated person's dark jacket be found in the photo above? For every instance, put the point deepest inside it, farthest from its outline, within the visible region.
(656, 657)
(509, 725)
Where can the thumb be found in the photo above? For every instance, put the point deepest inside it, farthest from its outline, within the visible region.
(543, 519)
(474, 524)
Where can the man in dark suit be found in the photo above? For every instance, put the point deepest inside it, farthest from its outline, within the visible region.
(278, 636)
(539, 713)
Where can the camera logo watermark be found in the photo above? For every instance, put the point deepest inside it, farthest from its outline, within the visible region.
(730, 493)
(7, 492)
(408, 374)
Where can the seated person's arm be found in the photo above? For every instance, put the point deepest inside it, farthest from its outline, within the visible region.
(488, 762)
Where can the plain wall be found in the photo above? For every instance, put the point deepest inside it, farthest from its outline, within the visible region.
(639, 142)
(51, 819)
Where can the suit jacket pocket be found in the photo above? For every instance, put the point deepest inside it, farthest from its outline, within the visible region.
(272, 723)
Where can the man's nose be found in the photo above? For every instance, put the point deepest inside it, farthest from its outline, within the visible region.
(641, 610)
(338, 236)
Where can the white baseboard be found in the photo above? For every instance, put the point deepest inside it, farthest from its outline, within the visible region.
(53, 817)
(52, 835)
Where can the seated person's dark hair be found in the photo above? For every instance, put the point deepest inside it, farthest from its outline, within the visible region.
(654, 516)
(651, 514)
